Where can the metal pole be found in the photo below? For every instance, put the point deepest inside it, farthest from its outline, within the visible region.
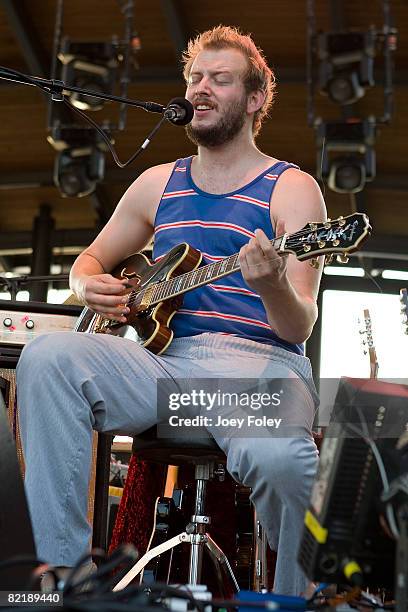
(42, 251)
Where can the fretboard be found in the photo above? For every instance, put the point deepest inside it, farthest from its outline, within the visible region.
(196, 278)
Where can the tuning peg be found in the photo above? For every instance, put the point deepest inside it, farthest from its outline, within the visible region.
(336, 242)
(327, 225)
(342, 258)
(313, 226)
(341, 221)
(329, 259)
(314, 263)
(321, 244)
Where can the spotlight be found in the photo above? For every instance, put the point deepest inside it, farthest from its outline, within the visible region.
(347, 174)
(90, 66)
(77, 171)
(346, 64)
(354, 141)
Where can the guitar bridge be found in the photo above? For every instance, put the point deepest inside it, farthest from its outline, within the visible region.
(102, 325)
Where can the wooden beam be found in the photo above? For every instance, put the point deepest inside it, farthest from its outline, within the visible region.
(175, 26)
(31, 49)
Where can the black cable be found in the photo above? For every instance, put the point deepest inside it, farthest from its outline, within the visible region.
(125, 554)
(95, 552)
(108, 142)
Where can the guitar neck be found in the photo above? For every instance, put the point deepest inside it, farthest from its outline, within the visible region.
(372, 353)
(197, 278)
(339, 237)
(373, 364)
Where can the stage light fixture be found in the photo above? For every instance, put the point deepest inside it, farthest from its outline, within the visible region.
(346, 65)
(78, 169)
(346, 155)
(89, 65)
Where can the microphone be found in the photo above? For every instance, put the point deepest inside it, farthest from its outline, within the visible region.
(179, 111)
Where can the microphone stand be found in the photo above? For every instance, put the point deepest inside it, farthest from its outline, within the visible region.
(56, 88)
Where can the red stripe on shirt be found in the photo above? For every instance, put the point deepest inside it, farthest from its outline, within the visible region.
(205, 225)
(223, 315)
(179, 194)
(243, 198)
(227, 288)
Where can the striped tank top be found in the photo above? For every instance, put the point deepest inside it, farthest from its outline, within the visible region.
(218, 226)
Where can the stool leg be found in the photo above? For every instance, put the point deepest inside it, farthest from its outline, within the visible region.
(220, 557)
(198, 524)
(196, 560)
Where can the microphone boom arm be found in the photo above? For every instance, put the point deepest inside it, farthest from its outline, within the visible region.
(56, 89)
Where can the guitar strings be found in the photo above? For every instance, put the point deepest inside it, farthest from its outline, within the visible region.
(131, 301)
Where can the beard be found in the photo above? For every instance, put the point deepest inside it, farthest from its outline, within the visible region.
(228, 126)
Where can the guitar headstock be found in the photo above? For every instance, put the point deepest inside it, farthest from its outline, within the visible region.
(333, 237)
(368, 342)
(404, 308)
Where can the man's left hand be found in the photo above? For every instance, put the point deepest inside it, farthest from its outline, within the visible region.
(261, 265)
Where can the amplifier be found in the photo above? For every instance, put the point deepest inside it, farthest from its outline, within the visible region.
(20, 322)
(344, 531)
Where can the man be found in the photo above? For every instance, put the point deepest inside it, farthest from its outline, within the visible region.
(249, 325)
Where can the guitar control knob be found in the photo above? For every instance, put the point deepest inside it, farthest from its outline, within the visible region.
(29, 324)
(7, 322)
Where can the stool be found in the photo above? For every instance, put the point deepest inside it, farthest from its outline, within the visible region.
(209, 461)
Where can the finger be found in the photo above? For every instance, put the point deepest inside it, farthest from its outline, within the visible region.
(242, 257)
(120, 313)
(109, 278)
(264, 243)
(108, 288)
(115, 317)
(254, 246)
(107, 302)
(254, 253)
(117, 313)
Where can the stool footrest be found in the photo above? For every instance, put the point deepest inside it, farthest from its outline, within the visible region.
(195, 539)
(149, 555)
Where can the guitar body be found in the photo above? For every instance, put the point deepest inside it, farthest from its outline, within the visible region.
(148, 326)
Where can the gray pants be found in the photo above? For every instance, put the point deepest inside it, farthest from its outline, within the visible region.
(71, 383)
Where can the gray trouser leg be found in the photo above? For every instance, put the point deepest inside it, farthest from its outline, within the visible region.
(69, 384)
(279, 465)
(280, 472)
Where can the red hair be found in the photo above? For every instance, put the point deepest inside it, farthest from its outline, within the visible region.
(258, 75)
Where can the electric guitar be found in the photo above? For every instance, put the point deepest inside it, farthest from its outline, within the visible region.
(369, 343)
(157, 288)
(404, 309)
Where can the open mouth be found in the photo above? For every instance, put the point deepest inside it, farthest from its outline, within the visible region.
(202, 108)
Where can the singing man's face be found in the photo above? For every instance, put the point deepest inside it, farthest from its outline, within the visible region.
(215, 88)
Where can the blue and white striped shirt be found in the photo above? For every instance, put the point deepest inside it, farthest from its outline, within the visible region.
(218, 226)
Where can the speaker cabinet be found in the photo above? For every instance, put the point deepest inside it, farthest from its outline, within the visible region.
(20, 322)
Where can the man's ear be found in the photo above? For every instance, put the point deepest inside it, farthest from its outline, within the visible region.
(255, 100)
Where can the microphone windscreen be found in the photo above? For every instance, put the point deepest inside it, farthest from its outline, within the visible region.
(186, 106)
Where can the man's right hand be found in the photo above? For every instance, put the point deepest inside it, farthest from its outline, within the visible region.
(105, 295)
